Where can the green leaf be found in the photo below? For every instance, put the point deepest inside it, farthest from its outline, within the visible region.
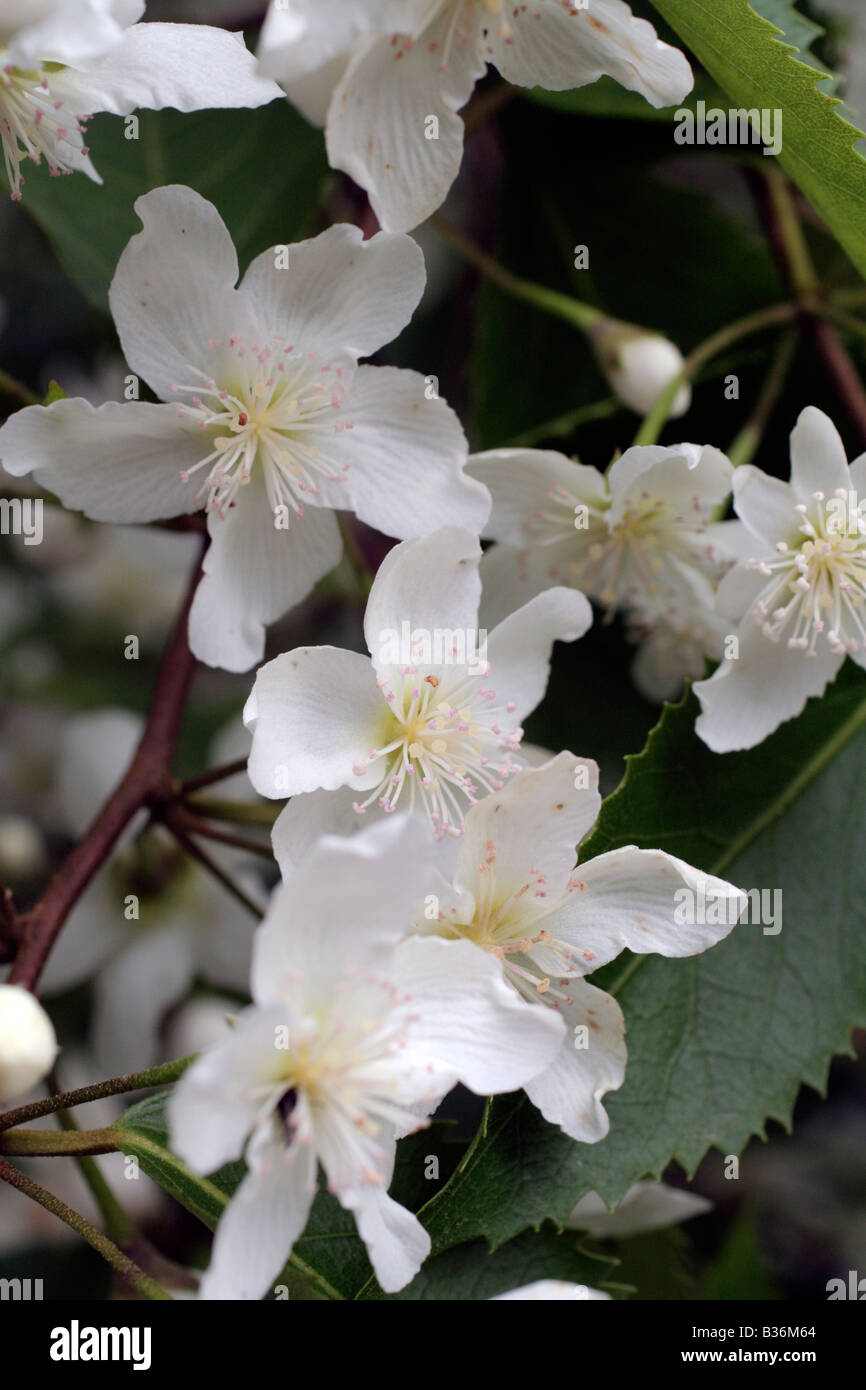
(743, 52)
(720, 1042)
(262, 169)
(330, 1253)
(142, 1133)
(472, 1272)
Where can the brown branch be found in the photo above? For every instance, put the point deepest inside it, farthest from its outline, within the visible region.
(147, 778)
(193, 826)
(214, 774)
(177, 825)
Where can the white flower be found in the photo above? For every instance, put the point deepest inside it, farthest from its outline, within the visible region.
(639, 536)
(646, 1206)
(354, 1037)
(64, 60)
(434, 729)
(800, 589)
(388, 77)
(272, 420)
(151, 921)
(517, 895)
(552, 1291)
(28, 1046)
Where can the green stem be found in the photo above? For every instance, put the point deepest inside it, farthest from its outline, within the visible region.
(122, 1264)
(843, 319)
(115, 1086)
(51, 1142)
(748, 441)
(118, 1224)
(563, 306)
(717, 342)
(789, 229)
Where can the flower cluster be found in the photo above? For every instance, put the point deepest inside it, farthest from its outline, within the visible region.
(439, 915)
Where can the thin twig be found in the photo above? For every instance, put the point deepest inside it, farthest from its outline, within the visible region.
(51, 1142)
(193, 826)
(115, 1086)
(176, 825)
(214, 774)
(122, 1264)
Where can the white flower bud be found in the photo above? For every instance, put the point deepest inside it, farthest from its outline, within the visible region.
(646, 366)
(28, 1045)
(22, 849)
(639, 365)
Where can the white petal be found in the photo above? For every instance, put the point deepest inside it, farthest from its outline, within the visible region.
(520, 480)
(346, 905)
(818, 460)
(519, 649)
(690, 480)
(551, 1291)
(630, 898)
(430, 584)
(254, 573)
(313, 713)
(264, 1218)
(66, 31)
(568, 1093)
(115, 463)
(646, 1206)
(535, 823)
(554, 46)
(739, 589)
(470, 1025)
(377, 121)
(511, 577)
(173, 296)
(396, 1241)
(766, 506)
(339, 295)
(307, 816)
(302, 39)
(216, 1101)
(404, 456)
(133, 995)
(189, 67)
(747, 699)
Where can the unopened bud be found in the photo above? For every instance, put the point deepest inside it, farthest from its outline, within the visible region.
(22, 849)
(28, 1045)
(639, 365)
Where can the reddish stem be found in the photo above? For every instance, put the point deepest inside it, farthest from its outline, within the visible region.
(147, 779)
